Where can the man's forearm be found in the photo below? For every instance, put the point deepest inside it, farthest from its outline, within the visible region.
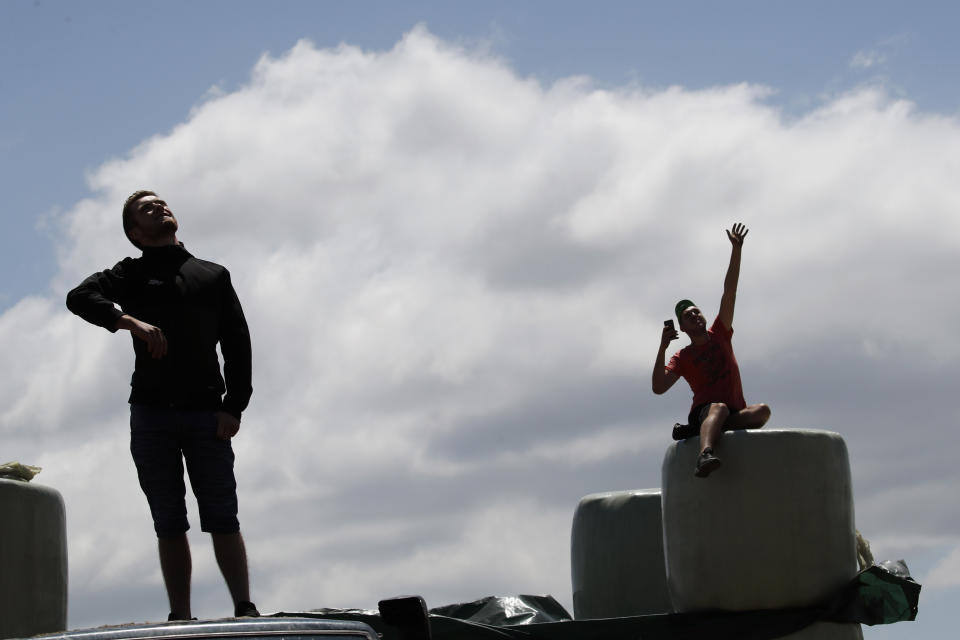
(237, 353)
(659, 382)
(237, 369)
(126, 322)
(733, 270)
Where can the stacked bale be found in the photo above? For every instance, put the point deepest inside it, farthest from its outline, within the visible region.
(33, 558)
(616, 555)
(773, 528)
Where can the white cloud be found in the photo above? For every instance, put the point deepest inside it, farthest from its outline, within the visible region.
(511, 542)
(878, 55)
(455, 280)
(867, 58)
(946, 573)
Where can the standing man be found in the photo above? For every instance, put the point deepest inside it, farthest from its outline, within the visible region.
(177, 308)
(710, 368)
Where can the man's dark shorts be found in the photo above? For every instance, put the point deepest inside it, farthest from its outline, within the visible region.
(160, 440)
(697, 414)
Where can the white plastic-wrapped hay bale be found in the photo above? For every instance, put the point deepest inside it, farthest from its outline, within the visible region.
(616, 555)
(33, 560)
(772, 528)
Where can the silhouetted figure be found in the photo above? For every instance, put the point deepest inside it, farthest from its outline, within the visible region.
(710, 368)
(178, 308)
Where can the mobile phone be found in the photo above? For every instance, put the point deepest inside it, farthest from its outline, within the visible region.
(668, 323)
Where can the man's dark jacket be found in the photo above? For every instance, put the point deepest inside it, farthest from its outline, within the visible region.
(193, 302)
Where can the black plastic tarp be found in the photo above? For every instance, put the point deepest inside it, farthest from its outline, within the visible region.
(881, 594)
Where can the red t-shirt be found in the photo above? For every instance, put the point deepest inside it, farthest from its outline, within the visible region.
(711, 369)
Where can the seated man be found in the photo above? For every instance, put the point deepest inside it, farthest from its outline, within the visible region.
(710, 368)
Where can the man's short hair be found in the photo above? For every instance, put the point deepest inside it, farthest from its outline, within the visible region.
(128, 211)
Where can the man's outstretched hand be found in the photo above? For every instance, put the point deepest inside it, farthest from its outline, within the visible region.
(737, 233)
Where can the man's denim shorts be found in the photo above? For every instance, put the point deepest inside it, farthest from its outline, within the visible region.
(161, 438)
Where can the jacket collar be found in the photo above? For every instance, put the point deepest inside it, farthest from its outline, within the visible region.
(167, 256)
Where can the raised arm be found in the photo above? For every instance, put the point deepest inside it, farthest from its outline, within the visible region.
(729, 300)
(662, 378)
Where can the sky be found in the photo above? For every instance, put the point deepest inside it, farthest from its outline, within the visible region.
(456, 229)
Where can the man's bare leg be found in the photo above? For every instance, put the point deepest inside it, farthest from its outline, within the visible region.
(711, 428)
(232, 559)
(719, 419)
(712, 425)
(752, 417)
(175, 564)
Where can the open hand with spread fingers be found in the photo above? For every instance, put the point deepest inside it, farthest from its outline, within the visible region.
(737, 233)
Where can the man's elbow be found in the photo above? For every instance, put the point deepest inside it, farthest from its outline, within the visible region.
(74, 300)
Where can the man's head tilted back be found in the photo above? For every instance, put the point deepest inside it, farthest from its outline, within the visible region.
(689, 317)
(147, 221)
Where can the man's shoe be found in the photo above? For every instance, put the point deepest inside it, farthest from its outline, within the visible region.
(172, 617)
(707, 463)
(684, 431)
(245, 610)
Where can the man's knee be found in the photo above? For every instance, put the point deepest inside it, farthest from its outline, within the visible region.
(753, 417)
(762, 414)
(719, 410)
(171, 528)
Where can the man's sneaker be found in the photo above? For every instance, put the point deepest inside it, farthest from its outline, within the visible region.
(706, 463)
(245, 610)
(684, 431)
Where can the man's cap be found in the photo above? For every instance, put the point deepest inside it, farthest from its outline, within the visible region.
(682, 306)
